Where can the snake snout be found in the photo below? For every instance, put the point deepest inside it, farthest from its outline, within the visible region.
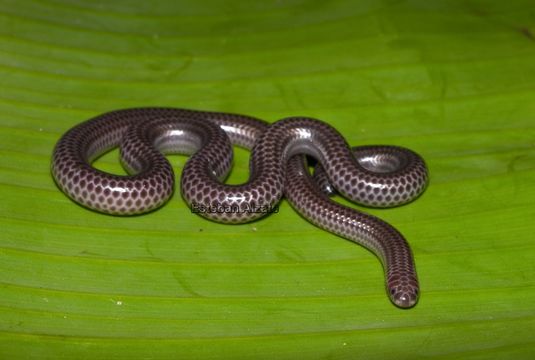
(405, 299)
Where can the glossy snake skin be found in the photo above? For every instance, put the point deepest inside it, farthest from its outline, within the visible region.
(374, 176)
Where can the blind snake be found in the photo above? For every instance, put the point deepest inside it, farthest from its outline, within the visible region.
(378, 176)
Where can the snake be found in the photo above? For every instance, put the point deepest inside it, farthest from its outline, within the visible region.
(374, 176)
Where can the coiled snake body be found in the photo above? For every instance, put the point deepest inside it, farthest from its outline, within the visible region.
(379, 176)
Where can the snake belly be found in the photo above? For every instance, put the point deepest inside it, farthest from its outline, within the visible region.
(373, 176)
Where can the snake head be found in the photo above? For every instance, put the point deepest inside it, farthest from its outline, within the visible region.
(404, 296)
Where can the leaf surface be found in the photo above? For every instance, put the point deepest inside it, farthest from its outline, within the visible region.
(453, 80)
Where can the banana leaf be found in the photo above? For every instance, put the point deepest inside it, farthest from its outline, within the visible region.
(452, 80)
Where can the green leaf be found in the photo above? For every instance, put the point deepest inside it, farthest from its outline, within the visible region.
(453, 80)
